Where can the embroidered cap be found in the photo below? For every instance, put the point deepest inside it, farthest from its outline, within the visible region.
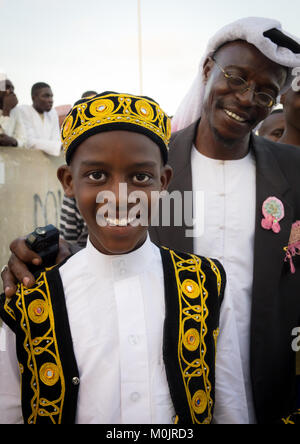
(111, 111)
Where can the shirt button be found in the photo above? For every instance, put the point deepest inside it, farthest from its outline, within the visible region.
(221, 227)
(135, 396)
(75, 381)
(222, 194)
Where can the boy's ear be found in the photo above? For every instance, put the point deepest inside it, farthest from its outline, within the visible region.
(66, 179)
(166, 176)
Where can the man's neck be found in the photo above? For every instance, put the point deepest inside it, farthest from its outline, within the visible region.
(38, 110)
(291, 136)
(211, 145)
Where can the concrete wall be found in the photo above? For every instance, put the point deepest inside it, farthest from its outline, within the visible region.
(30, 194)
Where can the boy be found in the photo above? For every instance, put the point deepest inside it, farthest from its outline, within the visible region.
(123, 331)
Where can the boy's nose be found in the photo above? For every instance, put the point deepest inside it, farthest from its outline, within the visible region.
(120, 191)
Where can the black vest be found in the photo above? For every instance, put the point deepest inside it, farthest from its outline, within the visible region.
(194, 288)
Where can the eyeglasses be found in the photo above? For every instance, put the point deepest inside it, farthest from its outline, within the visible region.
(238, 84)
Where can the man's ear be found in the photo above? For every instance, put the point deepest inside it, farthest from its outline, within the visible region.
(66, 179)
(207, 68)
(166, 176)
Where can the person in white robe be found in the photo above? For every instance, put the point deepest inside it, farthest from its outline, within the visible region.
(12, 131)
(41, 121)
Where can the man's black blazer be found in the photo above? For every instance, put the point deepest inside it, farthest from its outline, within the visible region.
(276, 291)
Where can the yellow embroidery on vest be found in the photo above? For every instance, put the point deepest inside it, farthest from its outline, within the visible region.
(217, 273)
(216, 334)
(8, 310)
(199, 401)
(39, 311)
(49, 373)
(188, 290)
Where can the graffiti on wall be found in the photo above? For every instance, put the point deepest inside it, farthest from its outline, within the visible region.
(47, 209)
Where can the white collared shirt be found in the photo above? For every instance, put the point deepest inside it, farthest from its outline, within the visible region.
(116, 311)
(229, 226)
(42, 132)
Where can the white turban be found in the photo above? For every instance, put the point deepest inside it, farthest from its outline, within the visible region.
(265, 34)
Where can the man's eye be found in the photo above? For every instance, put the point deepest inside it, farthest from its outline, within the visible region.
(277, 133)
(97, 176)
(141, 178)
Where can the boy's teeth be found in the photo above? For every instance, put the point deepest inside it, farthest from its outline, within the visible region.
(121, 222)
(234, 116)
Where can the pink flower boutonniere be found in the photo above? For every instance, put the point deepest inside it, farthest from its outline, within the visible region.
(273, 212)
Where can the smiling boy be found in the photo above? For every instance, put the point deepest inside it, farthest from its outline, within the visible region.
(123, 331)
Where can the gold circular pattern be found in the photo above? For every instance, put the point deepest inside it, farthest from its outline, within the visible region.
(38, 311)
(49, 374)
(101, 107)
(190, 288)
(191, 339)
(199, 401)
(68, 126)
(144, 109)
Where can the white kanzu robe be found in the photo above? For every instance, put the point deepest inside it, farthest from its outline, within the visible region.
(42, 131)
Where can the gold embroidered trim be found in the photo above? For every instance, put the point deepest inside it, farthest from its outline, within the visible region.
(106, 109)
(8, 310)
(291, 419)
(188, 290)
(39, 311)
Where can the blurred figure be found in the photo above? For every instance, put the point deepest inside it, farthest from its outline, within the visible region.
(272, 127)
(12, 132)
(88, 94)
(41, 121)
(62, 111)
(291, 105)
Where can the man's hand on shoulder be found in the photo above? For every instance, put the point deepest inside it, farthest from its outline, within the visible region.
(21, 258)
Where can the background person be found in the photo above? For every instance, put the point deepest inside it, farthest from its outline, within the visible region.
(12, 131)
(291, 106)
(41, 121)
(246, 66)
(273, 126)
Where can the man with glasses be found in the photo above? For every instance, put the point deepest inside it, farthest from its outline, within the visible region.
(251, 202)
(244, 178)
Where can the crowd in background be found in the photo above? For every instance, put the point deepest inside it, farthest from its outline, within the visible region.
(35, 126)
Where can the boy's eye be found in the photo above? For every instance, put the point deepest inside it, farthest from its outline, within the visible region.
(141, 178)
(97, 176)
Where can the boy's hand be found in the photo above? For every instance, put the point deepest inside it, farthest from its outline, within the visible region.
(17, 267)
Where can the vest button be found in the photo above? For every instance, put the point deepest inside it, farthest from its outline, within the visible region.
(75, 380)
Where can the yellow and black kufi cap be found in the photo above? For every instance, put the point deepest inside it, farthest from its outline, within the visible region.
(110, 111)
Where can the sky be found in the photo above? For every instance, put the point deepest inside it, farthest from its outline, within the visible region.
(78, 45)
